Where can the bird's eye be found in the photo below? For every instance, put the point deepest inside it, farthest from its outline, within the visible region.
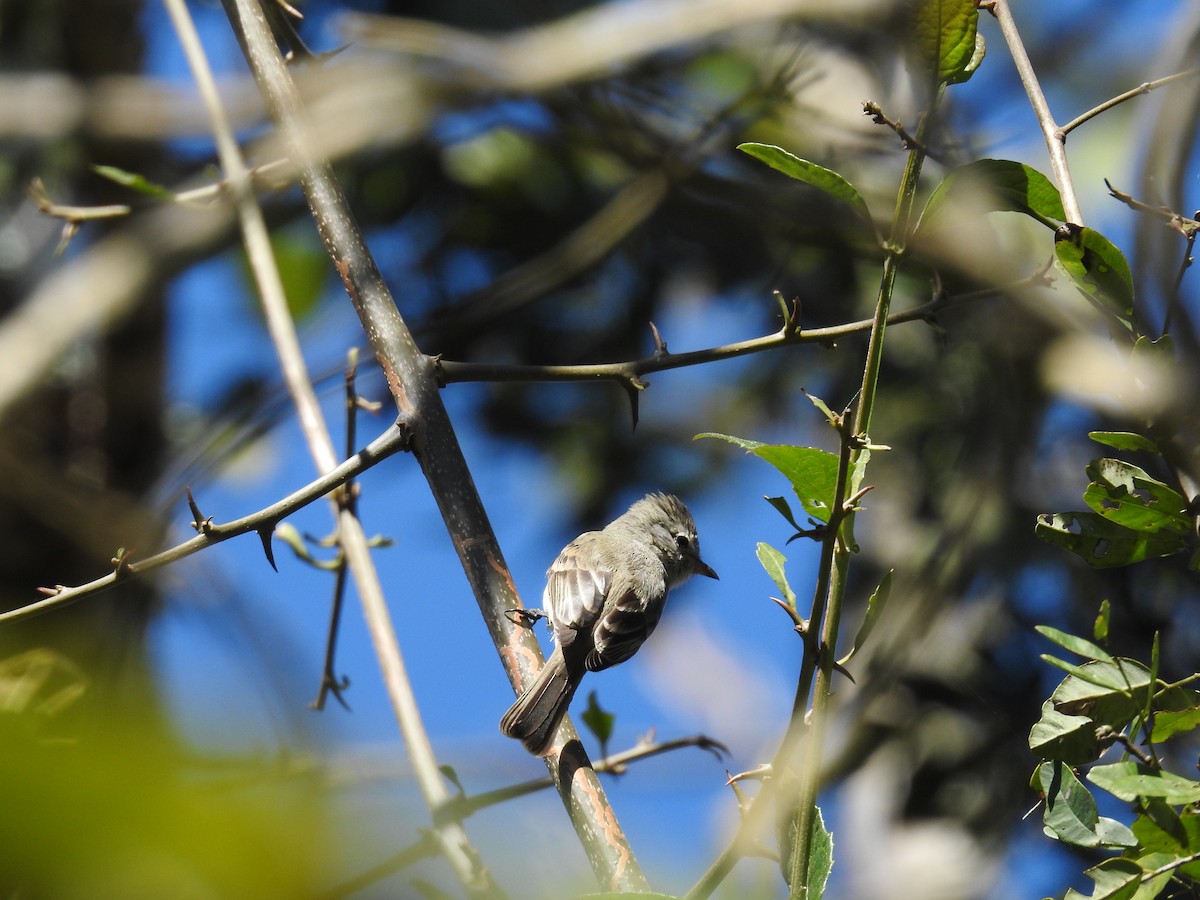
(684, 543)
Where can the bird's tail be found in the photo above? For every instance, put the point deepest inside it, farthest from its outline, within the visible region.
(534, 718)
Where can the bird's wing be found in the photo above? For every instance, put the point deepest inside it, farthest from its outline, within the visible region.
(574, 594)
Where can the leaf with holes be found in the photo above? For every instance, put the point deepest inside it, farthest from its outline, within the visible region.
(1102, 543)
(1125, 494)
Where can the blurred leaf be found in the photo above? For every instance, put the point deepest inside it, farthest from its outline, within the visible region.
(1077, 645)
(773, 561)
(1098, 268)
(819, 177)
(452, 776)
(133, 181)
(812, 472)
(1124, 440)
(945, 38)
(1071, 814)
(303, 269)
(1130, 781)
(1125, 494)
(599, 722)
(1103, 618)
(41, 682)
(1000, 185)
(1102, 543)
(875, 605)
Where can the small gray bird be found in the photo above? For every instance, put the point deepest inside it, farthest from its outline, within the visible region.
(604, 595)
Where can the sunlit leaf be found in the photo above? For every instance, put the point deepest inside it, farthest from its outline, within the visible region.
(812, 472)
(773, 562)
(1071, 815)
(1077, 645)
(1125, 494)
(1124, 440)
(996, 185)
(945, 38)
(818, 176)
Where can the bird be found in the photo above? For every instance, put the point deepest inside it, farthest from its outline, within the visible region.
(604, 595)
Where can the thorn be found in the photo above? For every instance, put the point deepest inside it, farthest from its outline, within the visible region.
(660, 346)
(264, 534)
(838, 667)
(758, 773)
(632, 387)
(795, 616)
(52, 591)
(200, 523)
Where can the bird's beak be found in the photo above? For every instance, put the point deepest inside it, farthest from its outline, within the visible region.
(703, 568)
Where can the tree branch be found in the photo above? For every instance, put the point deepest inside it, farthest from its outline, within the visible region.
(412, 381)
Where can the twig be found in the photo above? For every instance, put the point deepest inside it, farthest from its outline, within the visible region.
(1144, 88)
(392, 440)
(628, 374)
(1054, 136)
(1173, 220)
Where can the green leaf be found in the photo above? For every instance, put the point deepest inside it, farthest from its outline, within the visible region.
(812, 472)
(1102, 543)
(1124, 440)
(1108, 693)
(1071, 815)
(1115, 879)
(875, 605)
(819, 177)
(1067, 738)
(1168, 723)
(1123, 493)
(304, 269)
(820, 854)
(1098, 269)
(773, 561)
(945, 38)
(820, 858)
(1077, 645)
(782, 507)
(1160, 829)
(1103, 618)
(996, 185)
(1130, 781)
(599, 722)
(134, 182)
